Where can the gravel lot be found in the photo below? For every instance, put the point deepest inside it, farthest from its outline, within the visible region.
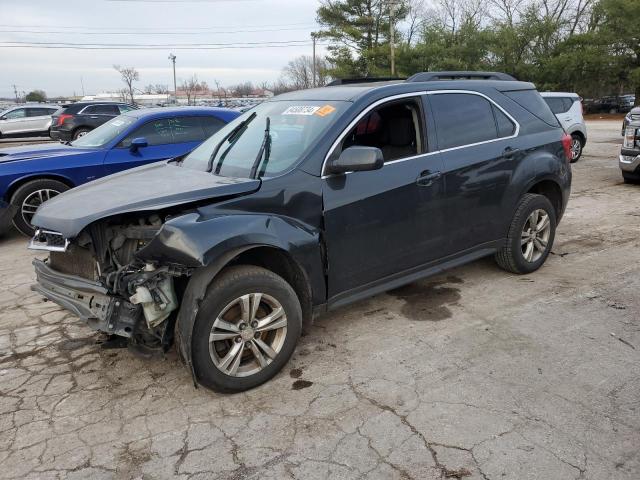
(474, 374)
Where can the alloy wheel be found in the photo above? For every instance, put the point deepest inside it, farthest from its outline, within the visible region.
(33, 201)
(248, 335)
(535, 235)
(576, 148)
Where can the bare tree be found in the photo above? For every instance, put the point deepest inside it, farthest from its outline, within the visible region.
(192, 87)
(129, 75)
(220, 90)
(243, 89)
(299, 72)
(416, 15)
(148, 89)
(161, 89)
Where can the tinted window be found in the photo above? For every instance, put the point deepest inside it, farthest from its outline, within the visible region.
(125, 108)
(102, 110)
(156, 132)
(462, 119)
(532, 101)
(187, 129)
(17, 113)
(39, 112)
(211, 125)
(51, 111)
(506, 127)
(556, 104)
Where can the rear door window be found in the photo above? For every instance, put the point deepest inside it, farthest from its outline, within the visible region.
(187, 129)
(211, 125)
(462, 119)
(101, 110)
(39, 112)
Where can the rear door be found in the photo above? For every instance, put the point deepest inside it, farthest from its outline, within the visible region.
(476, 143)
(39, 118)
(96, 115)
(166, 138)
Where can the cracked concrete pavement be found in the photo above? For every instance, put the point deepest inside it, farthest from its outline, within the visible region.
(474, 374)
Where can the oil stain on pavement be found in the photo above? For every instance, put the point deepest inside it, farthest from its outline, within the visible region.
(428, 300)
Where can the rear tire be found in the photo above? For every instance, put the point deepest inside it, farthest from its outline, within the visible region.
(80, 132)
(31, 195)
(222, 328)
(576, 148)
(530, 239)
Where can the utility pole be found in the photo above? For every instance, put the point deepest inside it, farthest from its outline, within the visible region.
(15, 91)
(313, 68)
(392, 37)
(82, 84)
(172, 57)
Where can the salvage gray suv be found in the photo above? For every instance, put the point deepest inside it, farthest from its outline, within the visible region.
(306, 203)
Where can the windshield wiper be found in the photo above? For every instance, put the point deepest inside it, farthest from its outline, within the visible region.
(230, 136)
(265, 149)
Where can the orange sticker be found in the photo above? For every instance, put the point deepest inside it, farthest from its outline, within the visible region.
(326, 110)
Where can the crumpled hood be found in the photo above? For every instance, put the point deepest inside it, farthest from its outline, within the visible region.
(46, 150)
(150, 187)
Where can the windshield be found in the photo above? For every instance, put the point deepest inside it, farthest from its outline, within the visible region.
(293, 127)
(105, 133)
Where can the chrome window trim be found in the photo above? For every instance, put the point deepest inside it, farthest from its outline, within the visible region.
(413, 94)
(98, 105)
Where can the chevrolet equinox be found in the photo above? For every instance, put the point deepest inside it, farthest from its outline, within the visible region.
(305, 203)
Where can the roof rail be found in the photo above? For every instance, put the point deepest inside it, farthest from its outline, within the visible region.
(349, 81)
(463, 75)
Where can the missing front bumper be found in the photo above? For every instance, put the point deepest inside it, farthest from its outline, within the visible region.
(88, 300)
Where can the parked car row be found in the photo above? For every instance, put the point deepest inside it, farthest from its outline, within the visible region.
(307, 202)
(610, 104)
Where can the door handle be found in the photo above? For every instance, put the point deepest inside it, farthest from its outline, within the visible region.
(510, 152)
(426, 178)
(93, 117)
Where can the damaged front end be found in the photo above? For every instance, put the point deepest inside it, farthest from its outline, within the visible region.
(98, 276)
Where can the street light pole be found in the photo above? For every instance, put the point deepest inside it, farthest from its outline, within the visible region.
(392, 37)
(172, 57)
(313, 68)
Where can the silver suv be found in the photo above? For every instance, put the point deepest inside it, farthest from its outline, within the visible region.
(27, 120)
(567, 108)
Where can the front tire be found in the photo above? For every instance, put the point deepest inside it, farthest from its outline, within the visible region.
(530, 236)
(246, 329)
(576, 148)
(28, 197)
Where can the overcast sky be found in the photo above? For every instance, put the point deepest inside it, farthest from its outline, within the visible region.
(156, 22)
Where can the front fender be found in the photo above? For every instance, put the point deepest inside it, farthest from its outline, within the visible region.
(209, 245)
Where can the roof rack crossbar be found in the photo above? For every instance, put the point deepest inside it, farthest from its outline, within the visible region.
(462, 75)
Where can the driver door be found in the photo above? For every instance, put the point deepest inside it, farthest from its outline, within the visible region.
(384, 224)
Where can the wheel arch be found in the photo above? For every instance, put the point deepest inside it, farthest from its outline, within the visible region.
(17, 183)
(550, 189)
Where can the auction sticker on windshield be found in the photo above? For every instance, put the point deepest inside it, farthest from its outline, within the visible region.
(301, 110)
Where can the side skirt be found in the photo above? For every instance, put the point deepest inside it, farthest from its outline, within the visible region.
(408, 276)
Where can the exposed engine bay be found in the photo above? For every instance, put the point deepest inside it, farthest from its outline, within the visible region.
(98, 276)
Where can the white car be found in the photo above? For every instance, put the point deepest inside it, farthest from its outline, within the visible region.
(567, 108)
(27, 120)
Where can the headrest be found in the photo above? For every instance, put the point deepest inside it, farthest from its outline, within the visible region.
(401, 131)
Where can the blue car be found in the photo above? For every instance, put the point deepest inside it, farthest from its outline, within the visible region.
(31, 175)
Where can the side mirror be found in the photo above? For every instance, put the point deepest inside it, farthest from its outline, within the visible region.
(358, 159)
(138, 143)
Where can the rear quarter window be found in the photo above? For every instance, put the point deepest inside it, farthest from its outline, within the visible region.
(533, 102)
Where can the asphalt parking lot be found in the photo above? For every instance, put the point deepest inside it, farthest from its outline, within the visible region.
(474, 374)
